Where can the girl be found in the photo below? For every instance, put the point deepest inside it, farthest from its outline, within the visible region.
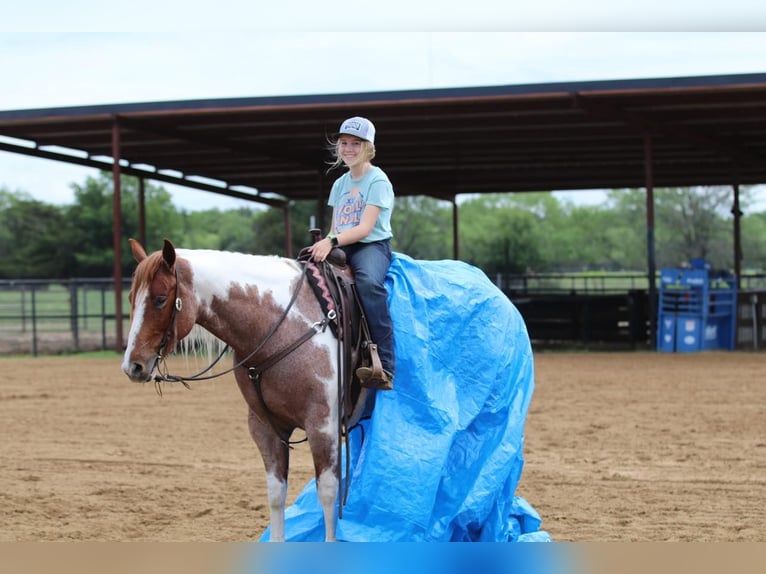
(362, 200)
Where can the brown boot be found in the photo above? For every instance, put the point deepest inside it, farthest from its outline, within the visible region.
(383, 383)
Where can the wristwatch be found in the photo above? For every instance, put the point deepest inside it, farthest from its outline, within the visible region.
(333, 239)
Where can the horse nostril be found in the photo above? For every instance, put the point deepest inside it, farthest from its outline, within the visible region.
(137, 371)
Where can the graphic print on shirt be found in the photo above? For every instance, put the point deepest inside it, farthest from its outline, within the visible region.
(349, 210)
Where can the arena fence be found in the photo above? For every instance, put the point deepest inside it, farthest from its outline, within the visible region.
(45, 316)
(596, 310)
(42, 316)
(751, 320)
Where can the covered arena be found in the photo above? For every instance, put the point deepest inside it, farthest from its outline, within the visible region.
(628, 446)
(640, 133)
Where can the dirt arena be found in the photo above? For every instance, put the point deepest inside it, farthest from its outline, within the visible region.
(619, 447)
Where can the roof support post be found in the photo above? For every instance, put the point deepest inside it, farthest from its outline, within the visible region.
(650, 254)
(321, 203)
(288, 230)
(737, 213)
(142, 211)
(117, 234)
(455, 229)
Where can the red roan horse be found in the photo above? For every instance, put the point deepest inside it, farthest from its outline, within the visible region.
(259, 306)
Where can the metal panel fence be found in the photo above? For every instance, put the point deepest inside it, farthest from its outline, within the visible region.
(58, 316)
(597, 283)
(46, 316)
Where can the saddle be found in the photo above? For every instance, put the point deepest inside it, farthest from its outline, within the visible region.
(334, 286)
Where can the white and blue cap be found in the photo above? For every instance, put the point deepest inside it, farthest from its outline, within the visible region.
(359, 127)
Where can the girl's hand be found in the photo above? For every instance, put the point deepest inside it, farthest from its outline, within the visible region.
(321, 249)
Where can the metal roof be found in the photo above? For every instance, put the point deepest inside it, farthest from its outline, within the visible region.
(705, 130)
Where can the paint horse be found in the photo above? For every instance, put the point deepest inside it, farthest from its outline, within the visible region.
(286, 359)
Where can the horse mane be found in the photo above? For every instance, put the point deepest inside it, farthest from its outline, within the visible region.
(200, 342)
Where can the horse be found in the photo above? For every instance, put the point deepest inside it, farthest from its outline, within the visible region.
(286, 360)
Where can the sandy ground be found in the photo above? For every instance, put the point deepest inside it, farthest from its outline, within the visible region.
(619, 447)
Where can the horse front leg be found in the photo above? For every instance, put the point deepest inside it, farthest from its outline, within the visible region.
(275, 455)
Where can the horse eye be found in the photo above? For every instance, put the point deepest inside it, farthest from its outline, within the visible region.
(159, 302)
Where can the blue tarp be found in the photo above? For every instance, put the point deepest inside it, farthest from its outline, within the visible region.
(441, 456)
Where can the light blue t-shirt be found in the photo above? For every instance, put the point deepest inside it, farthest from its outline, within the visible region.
(350, 196)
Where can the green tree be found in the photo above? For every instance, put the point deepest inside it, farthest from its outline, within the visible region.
(694, 223)
(689, 223)
(92, 218)
(422, 228)
(559, 233)
(498, 236)
(626, 225)
(268, 236)
(502, 233)
(754, 241)
(35, 238)
(230, 230)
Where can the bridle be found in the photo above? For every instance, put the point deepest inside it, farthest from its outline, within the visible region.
(177, 305)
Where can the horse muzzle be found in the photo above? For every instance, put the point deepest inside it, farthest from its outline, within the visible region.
(138, 371)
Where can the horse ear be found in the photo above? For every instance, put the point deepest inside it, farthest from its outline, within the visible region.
(169, 253)
(137, 249)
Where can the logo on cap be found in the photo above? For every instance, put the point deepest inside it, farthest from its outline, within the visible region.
(355, 125)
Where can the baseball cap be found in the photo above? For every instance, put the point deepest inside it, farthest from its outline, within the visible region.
(359, 127)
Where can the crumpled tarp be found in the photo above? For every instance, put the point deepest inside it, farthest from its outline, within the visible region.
(441, 456)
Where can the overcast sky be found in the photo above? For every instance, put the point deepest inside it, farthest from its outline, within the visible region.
(51, 69)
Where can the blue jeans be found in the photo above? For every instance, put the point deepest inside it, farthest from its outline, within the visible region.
(370, 263)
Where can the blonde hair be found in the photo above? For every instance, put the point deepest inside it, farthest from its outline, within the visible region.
(367, 153)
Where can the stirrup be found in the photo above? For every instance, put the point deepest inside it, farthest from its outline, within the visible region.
(370, 380)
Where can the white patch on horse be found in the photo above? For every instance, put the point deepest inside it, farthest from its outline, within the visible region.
(271, 274)
(330, 384)
(327, 492)
(135, 327)
(277, 492)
